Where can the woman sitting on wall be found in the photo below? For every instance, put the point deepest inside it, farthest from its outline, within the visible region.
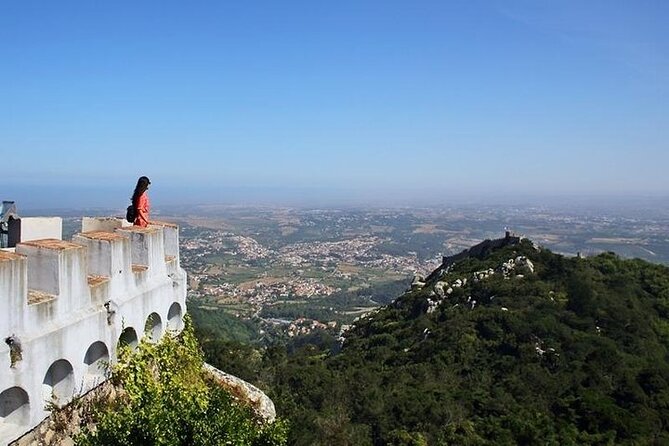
(140, 199)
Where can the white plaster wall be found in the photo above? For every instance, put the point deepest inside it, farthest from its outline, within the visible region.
(43, 268)
(13, 294)
(56, 330)
(98, 255)
(74, 291)
(36, 228)
(111, 259)
(108, 224)
(147, 247)
(170, 238)
(62, 273)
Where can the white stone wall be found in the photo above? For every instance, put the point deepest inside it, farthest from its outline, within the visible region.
(34, 228)
(68, 303)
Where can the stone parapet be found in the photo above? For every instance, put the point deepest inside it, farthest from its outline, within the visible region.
(147, 248)
(34, 228)
(65, 306)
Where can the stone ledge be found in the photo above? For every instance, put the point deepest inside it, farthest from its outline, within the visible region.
(245, 392)
(36, 297)
(7, 256)
(163, 223)
(94, 280)
(102, 235)
(148, 230)
(52, 243)
(136, 268)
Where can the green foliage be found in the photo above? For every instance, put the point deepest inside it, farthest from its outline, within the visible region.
(241, 360)
(167, 399)
(578, 356)
(337, 306)
(214, 324)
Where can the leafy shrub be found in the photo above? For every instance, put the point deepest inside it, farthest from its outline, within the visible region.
(167, 399)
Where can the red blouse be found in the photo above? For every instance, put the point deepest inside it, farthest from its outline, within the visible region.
(142, 207)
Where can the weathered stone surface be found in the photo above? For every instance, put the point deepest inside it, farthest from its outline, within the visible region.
(524, 262)
(59, 428)
(245, 392)
(439, 288)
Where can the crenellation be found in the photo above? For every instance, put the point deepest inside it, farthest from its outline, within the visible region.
(69, 304)
(102, 224)
(108, 255)
(44, 261)
(57, 268)
(147, 248)
(170, 239)
(99, 287)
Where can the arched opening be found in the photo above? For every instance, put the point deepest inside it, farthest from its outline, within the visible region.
(14, 407)
(58, 384)
(153, 327)
(129, 338)
(174, 320)
(97, 364)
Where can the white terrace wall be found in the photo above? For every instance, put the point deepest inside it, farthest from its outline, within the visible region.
(65, 305)
(34, 228)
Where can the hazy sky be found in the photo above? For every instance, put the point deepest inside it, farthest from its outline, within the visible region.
(268, 100)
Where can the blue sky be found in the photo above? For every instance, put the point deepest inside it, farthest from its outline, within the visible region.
(225, 101)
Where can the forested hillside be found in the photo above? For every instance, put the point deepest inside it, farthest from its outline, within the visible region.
(522, 346)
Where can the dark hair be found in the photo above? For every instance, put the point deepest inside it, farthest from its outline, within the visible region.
(142, 186)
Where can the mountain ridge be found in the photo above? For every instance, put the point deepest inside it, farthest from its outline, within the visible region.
(516, 346)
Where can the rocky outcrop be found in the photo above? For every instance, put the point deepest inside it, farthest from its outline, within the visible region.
(519, 265)
(245, 392)
(513, 268)
(418, 282)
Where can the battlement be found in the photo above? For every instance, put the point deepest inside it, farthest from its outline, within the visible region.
(66, 305)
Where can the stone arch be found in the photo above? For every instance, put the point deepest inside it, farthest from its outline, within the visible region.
(128, 337)
(174, 317)
(58, 384)
(153, 327)
(14, 406)
(96, 360)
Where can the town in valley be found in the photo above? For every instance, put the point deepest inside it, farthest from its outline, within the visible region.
(289, 271)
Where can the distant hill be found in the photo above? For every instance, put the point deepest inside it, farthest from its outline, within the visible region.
(517, 345)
